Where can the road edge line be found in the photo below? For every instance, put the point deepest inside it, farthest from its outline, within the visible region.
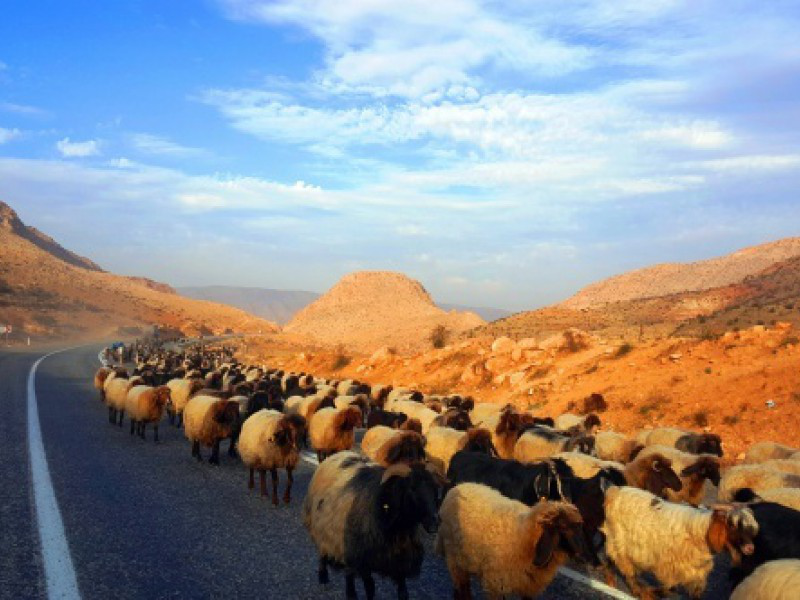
(59, 571)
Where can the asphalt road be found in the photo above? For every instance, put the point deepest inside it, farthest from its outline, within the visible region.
(145, 520)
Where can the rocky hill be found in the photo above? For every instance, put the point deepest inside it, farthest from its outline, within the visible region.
(47, 291)
(369, 309)
(281, 305)
(674, 278)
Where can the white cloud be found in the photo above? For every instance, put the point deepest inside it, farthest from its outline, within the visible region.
(6, 135)
(757, 162)
(78, 149)
(22, 109)
(161, 146)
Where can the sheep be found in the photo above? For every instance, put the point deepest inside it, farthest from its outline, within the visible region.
(207, 421)
(332, 430)
(366, 518)
(540, 442)
(789, 497)
(116, 395)
(756, 477)
(586, 423)
(416, 410)
(99, 380)
(442, 443)
(763, 451)
(693, 471)
(653, 473)
(775, 580)
(674, 542)
(359, 400)
(145, 405)
(687, 441)
(378, 416)
(617, 447)
(181, 391)
(511, 548)
(506, 428)
(483, 410)
(778, 538)
(454, 418)
(387, 446)
(269, 441)
(785, 465)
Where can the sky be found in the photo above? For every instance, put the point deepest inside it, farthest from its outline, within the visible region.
(503, 153)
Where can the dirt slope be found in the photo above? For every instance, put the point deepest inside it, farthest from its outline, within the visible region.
(48, 291)
(673, 278)
(369, 309)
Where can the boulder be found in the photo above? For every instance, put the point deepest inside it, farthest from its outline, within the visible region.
(503, 345)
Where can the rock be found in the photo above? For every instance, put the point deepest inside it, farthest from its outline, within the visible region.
(740, 456)
(474, 373)
(530, 355)
(758, 329)
(527, 343)
(515, 378)
(383, 354)
(675, 357)
(361, 368)
(499, 380)
(783, 325)
(516, 354)
(496, 365)
(503, 345)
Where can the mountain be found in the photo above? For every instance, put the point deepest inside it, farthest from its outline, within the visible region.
(48, 291)
(281, 305)
(674, 278)
(756, 285)
(275, 305)
(369, 309)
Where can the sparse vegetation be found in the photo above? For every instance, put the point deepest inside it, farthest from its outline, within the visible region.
(624, 349)
(790, 340)
(707, 370)
(700, 418)
(655, 401)
(439, 336)
(340, 361)
(731, 419)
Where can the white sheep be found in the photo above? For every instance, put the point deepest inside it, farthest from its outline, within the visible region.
(774, 580)
(763, 451)
(540, 443)
(144, 405)
(674, 542)
(610, 445)
(181, 390)
(442, 443)
(588, 423)
(416, 410)
(332, 430)
(268, 442)
(482, 410)
(511, 548)
(755, 477)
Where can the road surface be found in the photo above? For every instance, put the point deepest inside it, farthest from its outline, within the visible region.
(145, 520)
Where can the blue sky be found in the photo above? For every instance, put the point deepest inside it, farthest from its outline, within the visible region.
(503, 153)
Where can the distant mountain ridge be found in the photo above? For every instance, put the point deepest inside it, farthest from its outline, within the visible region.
(47, 291)
(281, 305)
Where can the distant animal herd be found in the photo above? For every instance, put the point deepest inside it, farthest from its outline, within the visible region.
(510, 495)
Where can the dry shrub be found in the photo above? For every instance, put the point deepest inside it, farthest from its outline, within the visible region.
(438, 336)
(700, 418)
(594, 403)
(624, 349)
(654, 401)
(340, 361)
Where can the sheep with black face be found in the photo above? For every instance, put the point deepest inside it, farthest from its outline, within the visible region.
(367, 519)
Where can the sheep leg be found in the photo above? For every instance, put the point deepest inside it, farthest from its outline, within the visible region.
(133, 426)
(287, 496)
(179, 420)
(274, 473)
(112, 417)
(369, 584)
(402, 590)
(196, 451)
(155, 432)
(461, 587)
(121, 416)
(142, 429)
(252, 481)
(232, 447)
(322, 571)
(262, 473)
(171, 418)
(214, 460)
(350, 586)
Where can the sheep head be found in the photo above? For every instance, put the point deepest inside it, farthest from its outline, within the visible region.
(510, 422)
(705, 467)
(561, 528)
(709, 443)
(411, 425)
(658, 475)
(349, 418)
(408, 497)
(591, 423)
(457, 419)
(479, 440)
(733, 528)
(408, 447)
(162, 396)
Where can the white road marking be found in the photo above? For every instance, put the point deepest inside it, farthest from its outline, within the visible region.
(59, 571)
(568, 573)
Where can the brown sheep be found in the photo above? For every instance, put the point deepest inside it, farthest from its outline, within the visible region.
(145, 405)
(332, 430)
(208, 421)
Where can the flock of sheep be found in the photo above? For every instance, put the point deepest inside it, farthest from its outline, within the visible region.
(511, 496)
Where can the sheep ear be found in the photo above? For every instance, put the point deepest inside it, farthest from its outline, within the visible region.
(398, 470)
(546, 545)
(718, 530)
